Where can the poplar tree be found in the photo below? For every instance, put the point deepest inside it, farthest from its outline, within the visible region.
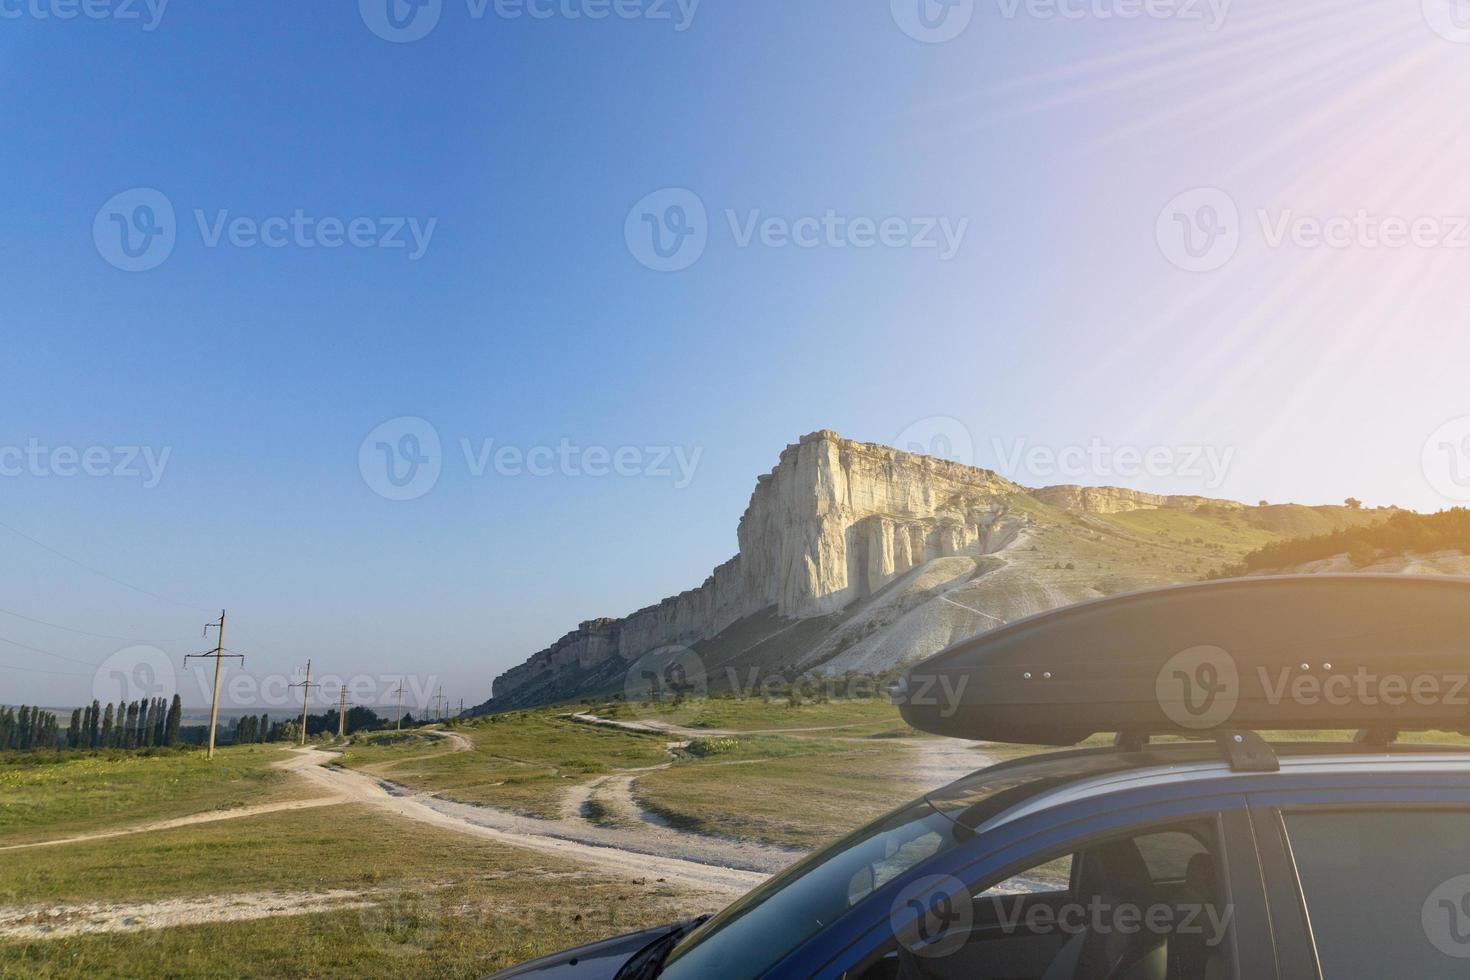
(94, 727)
(107, 727)
(175, 716)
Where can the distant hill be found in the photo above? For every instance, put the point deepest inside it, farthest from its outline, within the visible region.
(857, 558)
(1404, 542)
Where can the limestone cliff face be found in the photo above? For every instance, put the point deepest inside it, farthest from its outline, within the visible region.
(835, 522)
(1116, 500)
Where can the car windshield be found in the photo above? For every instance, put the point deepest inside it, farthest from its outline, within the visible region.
(756, 932)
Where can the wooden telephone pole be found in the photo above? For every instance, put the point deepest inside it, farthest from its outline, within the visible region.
(400, 706)
(439, 700)
(306, 687)
(342, 712)
(217, 655)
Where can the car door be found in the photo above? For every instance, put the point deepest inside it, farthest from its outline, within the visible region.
(1369, 880)
(1044, 932)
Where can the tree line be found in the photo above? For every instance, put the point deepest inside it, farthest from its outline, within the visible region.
(124, 725)
(1405, 531)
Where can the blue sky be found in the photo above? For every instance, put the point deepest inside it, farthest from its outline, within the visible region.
(1050, 146)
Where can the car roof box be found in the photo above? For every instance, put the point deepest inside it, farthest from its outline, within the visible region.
(1297, 652)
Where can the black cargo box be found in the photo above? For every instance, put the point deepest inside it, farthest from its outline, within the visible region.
(1299, 652)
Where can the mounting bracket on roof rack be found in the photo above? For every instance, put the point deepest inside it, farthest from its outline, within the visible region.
(1247, 752)
(1377, 738)
(1131, 741)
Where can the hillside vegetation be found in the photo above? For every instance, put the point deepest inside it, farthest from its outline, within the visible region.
(1402, 533)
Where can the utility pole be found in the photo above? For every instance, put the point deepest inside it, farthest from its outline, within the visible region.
(342, 712)
(217, 655)
(439, 701)
(306, 687)
(400, 706)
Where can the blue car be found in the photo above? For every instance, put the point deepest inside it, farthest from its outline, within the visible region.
(1214, 854)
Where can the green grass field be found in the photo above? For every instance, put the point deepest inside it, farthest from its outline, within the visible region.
(440, 904)
(523, 762)
(798, 792)
(90, 792)
(839, 717)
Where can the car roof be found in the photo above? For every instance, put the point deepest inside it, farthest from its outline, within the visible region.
(1023, 787)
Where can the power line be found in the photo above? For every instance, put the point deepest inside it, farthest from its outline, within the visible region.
(71, 629)
(58, 656)
(97, 571)
(38, 670)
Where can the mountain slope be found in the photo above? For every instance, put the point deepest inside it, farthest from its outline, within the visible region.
(857, 558)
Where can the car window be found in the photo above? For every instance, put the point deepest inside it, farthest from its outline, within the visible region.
(1046, 878)
(756, 932)
(1153, 902)
(1387, 892)
(1167, 854)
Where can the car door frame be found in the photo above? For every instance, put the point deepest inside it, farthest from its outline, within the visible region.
(1290, 920)
(1013, 847)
